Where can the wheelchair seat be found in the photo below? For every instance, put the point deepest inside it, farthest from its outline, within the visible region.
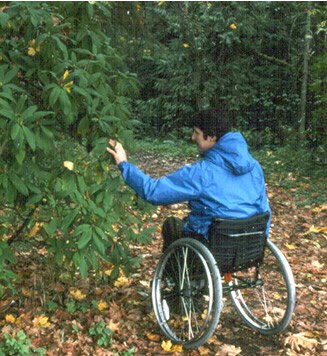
(238, 244)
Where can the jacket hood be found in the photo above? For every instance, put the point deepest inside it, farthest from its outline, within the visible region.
(231, 153)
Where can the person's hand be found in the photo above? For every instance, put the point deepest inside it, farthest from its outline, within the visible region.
(117, 152)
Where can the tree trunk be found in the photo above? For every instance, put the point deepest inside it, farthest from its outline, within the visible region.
(307, 41)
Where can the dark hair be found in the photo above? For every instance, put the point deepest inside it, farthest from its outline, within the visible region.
(213, 122)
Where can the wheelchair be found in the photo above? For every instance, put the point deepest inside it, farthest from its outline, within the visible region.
(190, 280)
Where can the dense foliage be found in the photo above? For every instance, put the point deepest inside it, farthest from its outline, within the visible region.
(247, 55)
(63, 91)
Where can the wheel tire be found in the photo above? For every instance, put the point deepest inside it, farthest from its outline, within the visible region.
(266, 308)
(187, 293)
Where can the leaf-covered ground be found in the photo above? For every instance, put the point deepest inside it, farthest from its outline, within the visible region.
(102, 318)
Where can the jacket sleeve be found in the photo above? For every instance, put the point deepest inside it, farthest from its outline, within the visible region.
(183, 185)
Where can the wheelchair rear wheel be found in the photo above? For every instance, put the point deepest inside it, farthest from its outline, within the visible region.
(265, 301)
(187, 293)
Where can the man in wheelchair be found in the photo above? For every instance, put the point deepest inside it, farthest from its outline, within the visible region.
(229, 212)
(227, 182)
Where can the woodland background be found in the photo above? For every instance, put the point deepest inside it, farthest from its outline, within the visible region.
(74, 73)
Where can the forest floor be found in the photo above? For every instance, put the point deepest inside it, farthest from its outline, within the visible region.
(81, 326)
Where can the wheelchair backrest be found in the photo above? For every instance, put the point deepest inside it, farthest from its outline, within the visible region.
(238, 244)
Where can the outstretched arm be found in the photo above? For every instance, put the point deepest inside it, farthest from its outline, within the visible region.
(183, 185)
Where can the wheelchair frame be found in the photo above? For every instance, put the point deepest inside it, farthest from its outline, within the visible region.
(187, 289)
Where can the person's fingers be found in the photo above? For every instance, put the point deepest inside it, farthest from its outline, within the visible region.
(112, 152)
(112, 142)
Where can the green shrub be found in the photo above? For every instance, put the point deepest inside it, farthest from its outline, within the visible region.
(63, 92)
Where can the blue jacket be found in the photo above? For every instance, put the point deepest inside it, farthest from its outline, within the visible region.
(227, 183)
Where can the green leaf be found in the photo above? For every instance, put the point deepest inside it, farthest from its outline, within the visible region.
(81, 228)
(9, 114)
(69, 219)
(84, 126)
(7, 96)
(65, 102)
(51, 227)
(46, 131)
(4, 19)
(85, 238)
(14, 131)
(29, 112)
(40, 114)
(34, 199)
(81, 184)
(30, 137)
(21, 103)
(76, 259)
(10, 75)
(99, 244)
(83, 267)
(18, 184)
(61, 46)
(100, 212)
(54, 95)
(20, 156)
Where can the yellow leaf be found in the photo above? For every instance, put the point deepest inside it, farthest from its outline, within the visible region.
(145, 284)
(177, 348)
(204, 314)
(115, 227)
(10, 319)
(69, 165)
(66, 74)
(69, 84)
(77, 294)
(108, 272)
(102, 305)
(161, 3)
(31, 51)
(121, 282)
(41, 321)
(68, 89)
(166, 345)
(35, 229)
(317, 230)
(317, 209)
(290, 246)
(186, 45)
(152, 337)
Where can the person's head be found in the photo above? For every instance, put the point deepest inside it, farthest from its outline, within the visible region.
(209, 126)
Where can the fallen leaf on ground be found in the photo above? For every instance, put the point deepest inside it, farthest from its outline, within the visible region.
(153, 337)
(229, 350)
(10, 319)
(77, 294)
(166, 345)
(296, 341)
(102, 305)
(41, 321)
